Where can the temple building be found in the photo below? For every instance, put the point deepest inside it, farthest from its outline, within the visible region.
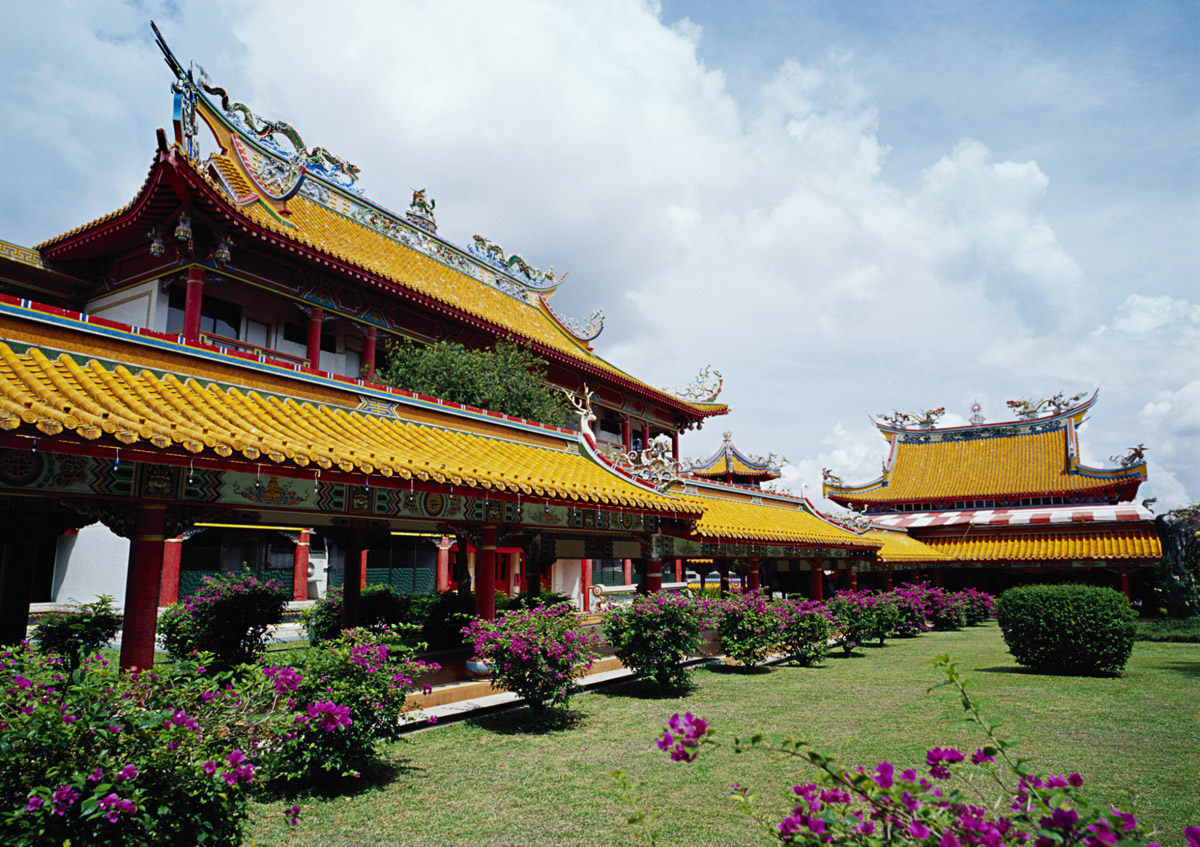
(187, 386)
(1009, 502)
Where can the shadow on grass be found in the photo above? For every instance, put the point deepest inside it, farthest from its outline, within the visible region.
(1017, 670)
(377, 774)
(645, 689)
(523, 721)
(1185, 668)
(738, 670)
(844, 655)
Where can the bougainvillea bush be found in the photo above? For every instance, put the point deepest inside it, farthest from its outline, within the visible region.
(945, 610)
(804, 630)
(910, 603)
(536, 653)
(948, 801)
(344, 698)
(977, 605)
(654, 635)
(749, 628)
(228, 616)
(854, 622)
(97, 757)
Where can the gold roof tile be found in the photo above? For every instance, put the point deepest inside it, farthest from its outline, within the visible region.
(59, 394)
(730, 519)
(1065, 545)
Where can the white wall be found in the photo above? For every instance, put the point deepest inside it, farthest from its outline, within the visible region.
(134, 305)
(93, 562)
(566, 577)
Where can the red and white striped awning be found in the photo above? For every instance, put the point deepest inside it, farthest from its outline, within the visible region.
(1018, 517)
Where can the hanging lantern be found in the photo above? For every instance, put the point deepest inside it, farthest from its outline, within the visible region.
(221, 254)
(183, 229)
(157, 248)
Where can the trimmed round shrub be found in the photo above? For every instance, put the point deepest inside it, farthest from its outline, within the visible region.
(804, 630)
(78, 632)
(654, 635)
(228, 617)
(1069, 629)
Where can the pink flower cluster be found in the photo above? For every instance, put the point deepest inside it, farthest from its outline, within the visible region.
(682, 736)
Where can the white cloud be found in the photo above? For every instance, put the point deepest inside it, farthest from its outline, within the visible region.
(760, 235)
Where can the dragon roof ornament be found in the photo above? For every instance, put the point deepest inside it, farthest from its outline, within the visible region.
(905, 420)
(653, 465)
(705, 388)
(1135, 456)
(1053, 405)
(420, 211)
(583, 331)
(514, 265)
(301, 158)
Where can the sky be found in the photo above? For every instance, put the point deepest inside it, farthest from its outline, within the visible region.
(845, 208)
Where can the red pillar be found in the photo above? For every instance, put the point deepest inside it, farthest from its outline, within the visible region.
(626, 433)
(191, 305)
(443, 565)
(654, 576)
(853, 574)
(172, 553)
(887, 580)
(816, 578)
(142, 586)
(1125, 582)
(300, 568)
(368, 364)
(645, 435)
(585, 583)
(679, 570)
(352, 579)
(628, 572)
(485, 575)
(937, 577)
(314, 338)
(753, 576)
(675, 446)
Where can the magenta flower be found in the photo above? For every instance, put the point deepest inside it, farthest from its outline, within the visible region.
(63, 798)
(292, 814)
(35, 803)
(127, 772)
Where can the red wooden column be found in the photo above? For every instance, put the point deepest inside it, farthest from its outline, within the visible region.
(315, 318)
(485, 575)
(887, 580)
(653, 576)
(675, 446)
(645, 435)
(191, 305)
(352, 579)
(626, 433)
(172, 554)
(443, 565)
(368, 363)
(816, 579)
(852, 575)
(142, 585)
(753, 575)
(628, 576)
(585, 583)
(937, 577)
(300, 567)
(1125, 582)
(679, 570)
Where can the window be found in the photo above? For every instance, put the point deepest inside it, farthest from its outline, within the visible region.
(294, 333)
(217, 317)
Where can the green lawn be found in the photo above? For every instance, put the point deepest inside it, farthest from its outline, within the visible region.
(490, 781)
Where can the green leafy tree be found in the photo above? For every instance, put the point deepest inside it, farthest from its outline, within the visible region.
(508, 379)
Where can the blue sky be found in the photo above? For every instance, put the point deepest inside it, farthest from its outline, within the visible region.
(846, 208)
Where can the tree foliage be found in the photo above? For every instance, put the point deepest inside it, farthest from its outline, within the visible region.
(508, 379)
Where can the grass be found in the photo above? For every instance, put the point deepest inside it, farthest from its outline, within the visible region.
(495, 780)
(1169, 629)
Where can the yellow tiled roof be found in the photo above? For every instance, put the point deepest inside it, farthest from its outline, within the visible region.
(93, 401)
(336, 235)
(726, 519)
(899, 547)
(1019, 464)
(1066, 545)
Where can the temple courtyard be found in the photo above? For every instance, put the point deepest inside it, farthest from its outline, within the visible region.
(496, 780)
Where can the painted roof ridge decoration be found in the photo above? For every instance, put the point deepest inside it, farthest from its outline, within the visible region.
(705, 388)
(728, 460)
(62, 396)
(926, 429)
(584, 332)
